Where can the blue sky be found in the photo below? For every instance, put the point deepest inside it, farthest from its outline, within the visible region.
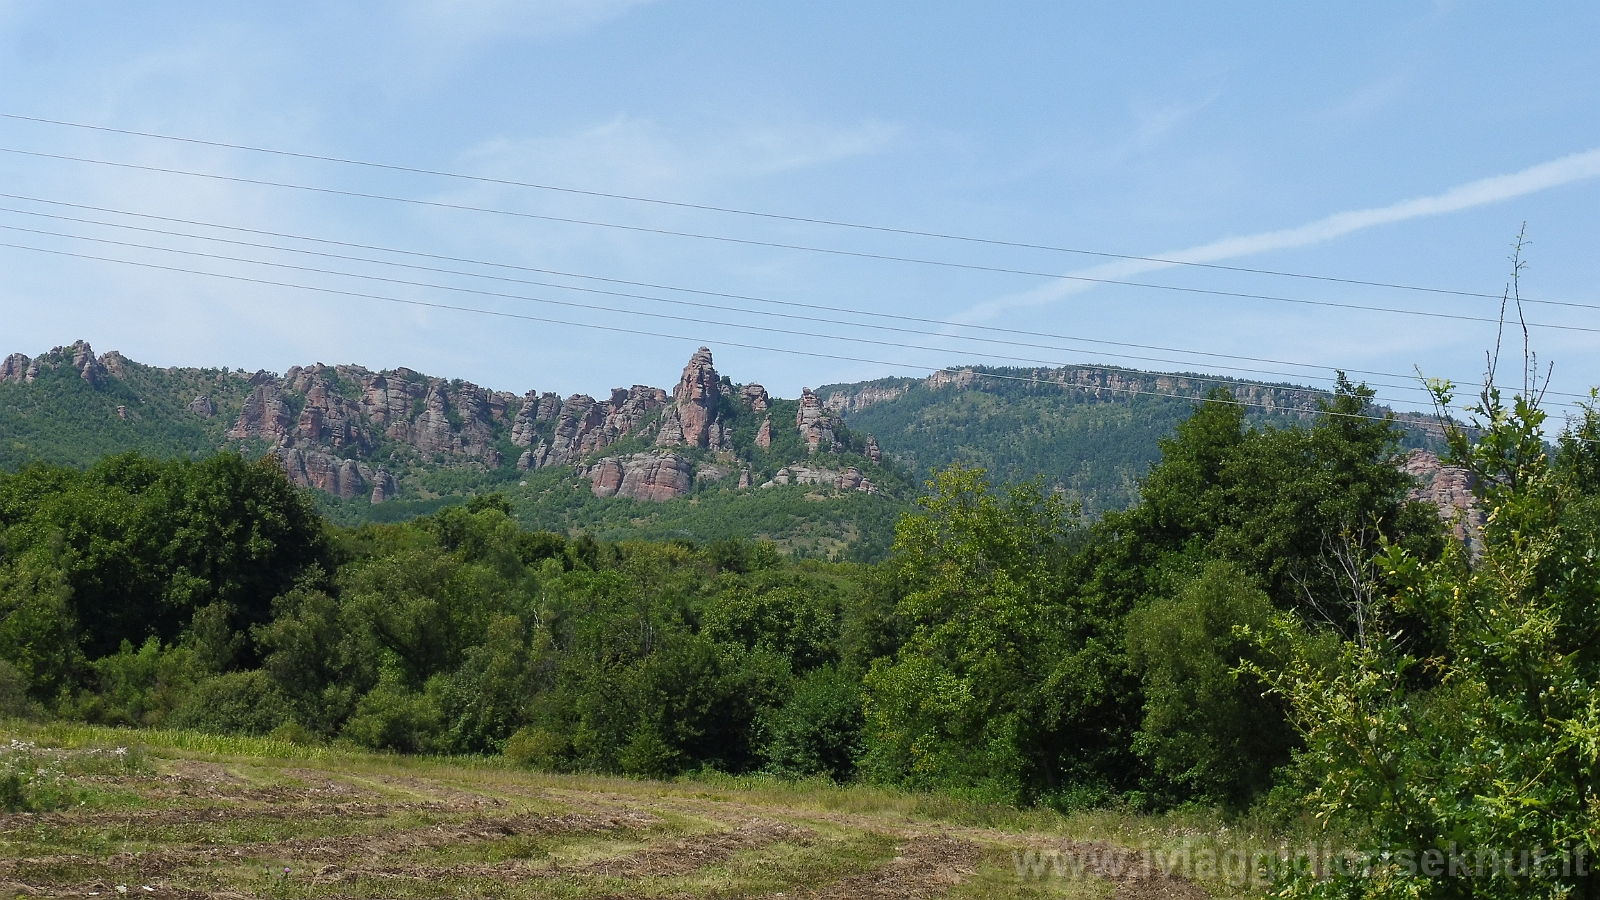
(1255, 135)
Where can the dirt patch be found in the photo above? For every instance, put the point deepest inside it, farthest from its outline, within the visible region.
(926, 866)
(331, 851)
(1136, 875)
(206, 773)
(683, 856)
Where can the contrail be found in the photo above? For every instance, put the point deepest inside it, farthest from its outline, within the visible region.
(1566, 170)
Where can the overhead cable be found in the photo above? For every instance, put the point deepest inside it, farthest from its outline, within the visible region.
(882, 257)
(1275, 408)
(666, 300)
(808, 220)
(698, 320)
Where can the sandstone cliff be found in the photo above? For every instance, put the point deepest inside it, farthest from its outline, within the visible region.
(645, 476)
(816, 423)
(1449, 489)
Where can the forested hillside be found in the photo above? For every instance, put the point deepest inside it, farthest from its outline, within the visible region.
(823, 475)
(1092, 432)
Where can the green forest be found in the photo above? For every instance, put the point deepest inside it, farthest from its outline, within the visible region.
(1270, 628)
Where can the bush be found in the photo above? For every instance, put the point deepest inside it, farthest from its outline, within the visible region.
(13, 693)
(818, 730)
(537, 748)
(1208, 731)
(235, 703)
(390, 717)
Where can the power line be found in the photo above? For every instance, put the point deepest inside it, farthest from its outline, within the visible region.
(1076, 338)
(598, 291)
(598, 308)
(882, 257)
(659, 334)
(883, 229)
(1071, 338)
(663, 287)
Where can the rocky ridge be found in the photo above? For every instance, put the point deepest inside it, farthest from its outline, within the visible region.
(356, 433)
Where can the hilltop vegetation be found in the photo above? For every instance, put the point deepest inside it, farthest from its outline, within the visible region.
(1091, 432)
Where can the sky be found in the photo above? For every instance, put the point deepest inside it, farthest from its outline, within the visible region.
(1396, 143)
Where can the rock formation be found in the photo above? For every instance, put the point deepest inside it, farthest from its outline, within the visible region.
(584, 426)
(1448, 489)
(815, 423)
(841, 402)
(692, 418)
(643, 476)
(755, 398)
(873, 452)
(15, 367)
(384, 486)
(850, 479)
(266, 415)
(203, 407)
(325, 472)
(89, 368)
(764, 434)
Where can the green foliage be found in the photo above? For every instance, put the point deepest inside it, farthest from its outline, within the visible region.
(1487, 747)
(997, 687)
(817, 730)
(141, 545)
(1203, 729)
(232, 703)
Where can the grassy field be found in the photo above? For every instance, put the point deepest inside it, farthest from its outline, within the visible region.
(113, 813)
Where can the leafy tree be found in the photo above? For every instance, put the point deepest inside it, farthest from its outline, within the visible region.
(1202, 729)
(1463, 757)
(1002, 687)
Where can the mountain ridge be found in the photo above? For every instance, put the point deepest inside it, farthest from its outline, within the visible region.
(709, 459)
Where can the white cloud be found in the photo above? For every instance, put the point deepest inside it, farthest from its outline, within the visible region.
(630, 154)
(1566, 170)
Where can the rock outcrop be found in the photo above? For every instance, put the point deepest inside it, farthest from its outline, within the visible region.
(693, 420)
(842, 402)
(815, 423)
(1448, 489)
(850, 479)
(384, 486)
(89, 368)
(19, 368)
(15, 367)
(584, 426)
(874, 453)
(203, 407)
(764, 433)
(754, 397)
(654, 476)
(266, 415)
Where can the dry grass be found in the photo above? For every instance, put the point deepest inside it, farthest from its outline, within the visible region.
(192, 815)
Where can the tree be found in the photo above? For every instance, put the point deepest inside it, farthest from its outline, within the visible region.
(1478, 752)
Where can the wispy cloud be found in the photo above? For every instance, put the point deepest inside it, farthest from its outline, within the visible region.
(1555, 173)
(633, 154)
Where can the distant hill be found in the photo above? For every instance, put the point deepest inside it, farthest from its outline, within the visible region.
(1090, 431)
(826, 474)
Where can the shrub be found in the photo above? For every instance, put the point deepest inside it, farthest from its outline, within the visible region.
(235, 703)
(818, 730)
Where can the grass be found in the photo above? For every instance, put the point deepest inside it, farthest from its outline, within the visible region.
(187, 812)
